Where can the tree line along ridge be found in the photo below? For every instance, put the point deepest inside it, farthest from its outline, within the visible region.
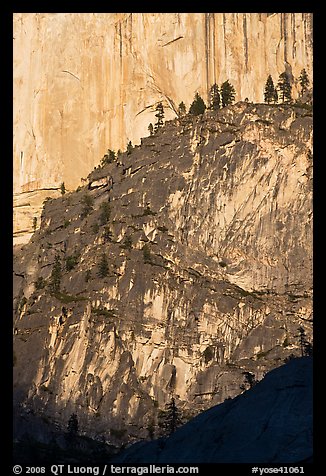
(219, 97)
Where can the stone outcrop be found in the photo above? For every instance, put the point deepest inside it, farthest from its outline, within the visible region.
(84, 83)
(206, 227)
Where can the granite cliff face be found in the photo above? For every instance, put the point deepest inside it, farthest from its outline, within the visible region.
(207, 232)
(87, 82)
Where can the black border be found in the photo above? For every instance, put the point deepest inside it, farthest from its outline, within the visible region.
(7, 194)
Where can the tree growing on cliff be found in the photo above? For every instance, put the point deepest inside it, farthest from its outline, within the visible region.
(108, 158)
(214, 98)
(197, 106)
(129, 148)
(182, 109)
(170, 418)
(105, 213)
(150, 129)
(284, 87)
(270, 93)
(160, 116)
(87, 202)
(227, 93)
(40, 283)
(55, 278)
(34, 223)
(304, 81)
(147, 254)
(305, 346)
(103, 267)
(73, 426)
(127, 243)
(62, 188)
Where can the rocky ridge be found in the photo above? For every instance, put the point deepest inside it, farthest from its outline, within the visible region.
(208, 242)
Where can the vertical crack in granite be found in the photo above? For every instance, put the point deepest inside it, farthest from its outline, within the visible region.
(245, 41)
(207, 52)
(294, 41)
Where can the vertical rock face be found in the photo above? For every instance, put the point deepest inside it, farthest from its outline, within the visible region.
(87, 82)
(208, 246)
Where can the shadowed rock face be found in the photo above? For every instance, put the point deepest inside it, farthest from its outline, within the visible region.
(222, 205)
(88, 81)
(271, 423)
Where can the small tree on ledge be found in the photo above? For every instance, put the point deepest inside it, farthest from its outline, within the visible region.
(284, 87)
(150, 129)
(55, 278)
(129, 148)
(170, 418)
(73, 425)
(160, 116)
(270, 93)
(182, 109)
(103, 266)
(214, 98)
(227, 93)
(197, 106)
(108, 158)
(304, 81)
(305, 346)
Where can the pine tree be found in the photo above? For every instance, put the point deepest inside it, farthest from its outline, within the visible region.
(170, 418)
(160, 116)
(73, 425)
(127, 243)
(305, 346)
(150, 129)
(62, 188)
(34, 223)
(147, 254)
(103, 266)
(129, 148)
(270, 93)
(197, 106)
(275, 98)
(40, 283)
(284, 87)
(88, 202)
(72, 261)
(108, 158)
(182, 109)
(105, 213)
(227, 93)
(55, 278)
(304, 81)
(214, 98)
